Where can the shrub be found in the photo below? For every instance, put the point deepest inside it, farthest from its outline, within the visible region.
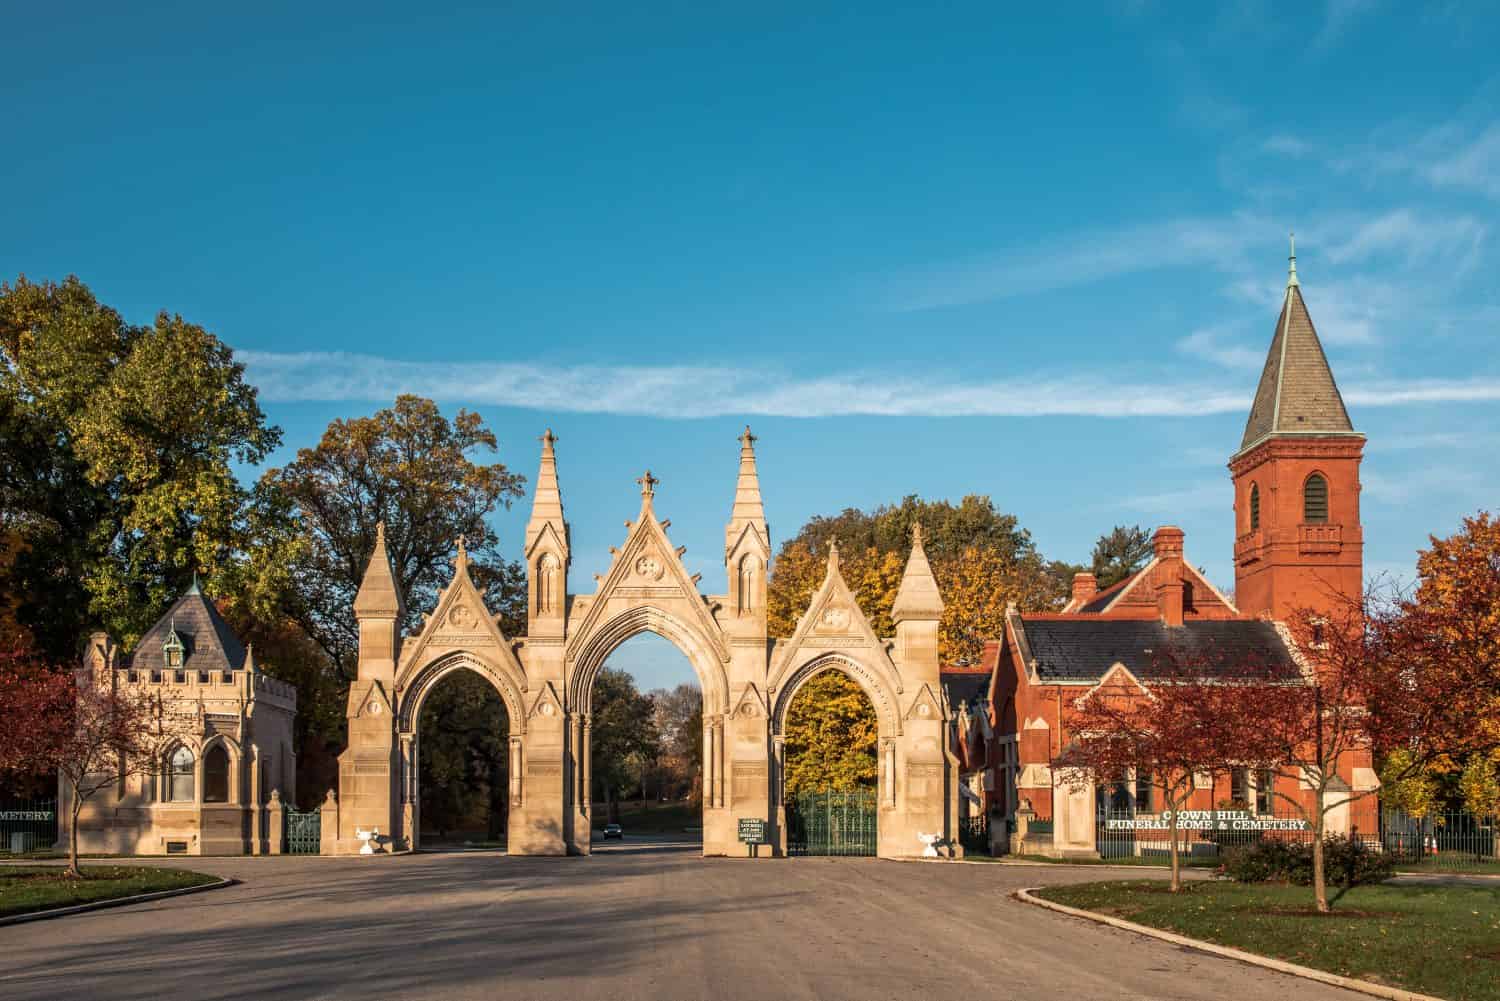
(1347, 862)
(1264, 861)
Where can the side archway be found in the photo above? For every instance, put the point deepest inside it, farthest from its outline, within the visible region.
(411, 696)
(874, 687)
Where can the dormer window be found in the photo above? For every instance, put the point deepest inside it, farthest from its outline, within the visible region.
(172, 649)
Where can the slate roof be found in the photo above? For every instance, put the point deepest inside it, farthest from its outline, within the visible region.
(966, 684)
(208, 642)
(1297, 394)
(1068, 649)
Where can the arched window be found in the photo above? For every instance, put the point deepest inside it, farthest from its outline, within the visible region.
(748, 566)
(180, 776)
(546, 583)
(1315, 500)
(1254, 507)
(216, 775)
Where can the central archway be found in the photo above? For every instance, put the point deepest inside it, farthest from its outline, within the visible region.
(594, 653)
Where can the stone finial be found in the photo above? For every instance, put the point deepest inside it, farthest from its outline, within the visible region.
(747, 440)
(833, 556)
(648, 485)
(461, 557)
(548, 439)
(1291, 274)
(378, 594)
(918, 596)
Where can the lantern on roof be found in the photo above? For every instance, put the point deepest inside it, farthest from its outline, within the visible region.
(172, 648)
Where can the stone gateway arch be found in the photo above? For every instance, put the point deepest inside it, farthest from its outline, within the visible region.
(546, 681)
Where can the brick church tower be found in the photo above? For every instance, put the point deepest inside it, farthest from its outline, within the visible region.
(1298, 541)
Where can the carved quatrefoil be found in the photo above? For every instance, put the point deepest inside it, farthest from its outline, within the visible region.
(835, 618)
(462, 617)
(649, 565)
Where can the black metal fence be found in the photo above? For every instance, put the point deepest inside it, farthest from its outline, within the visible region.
(974, 833)
(1443, 840)
(27, 825)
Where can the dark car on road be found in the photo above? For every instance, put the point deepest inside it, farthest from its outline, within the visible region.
(613, 831)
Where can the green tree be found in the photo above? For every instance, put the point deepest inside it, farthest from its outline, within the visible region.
(117, 447)
(412, 468)
(831, 733)
(624, 734)
(464, 757)
(1119, 553)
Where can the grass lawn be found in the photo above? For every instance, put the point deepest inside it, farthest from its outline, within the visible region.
(24, 889)
(1147, 861)
(1442, 940)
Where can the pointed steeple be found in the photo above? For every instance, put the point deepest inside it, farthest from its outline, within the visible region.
(747, 511)
(747, 504)
(546, 503)
(378, 596)
(1297, 394)
(918, 596)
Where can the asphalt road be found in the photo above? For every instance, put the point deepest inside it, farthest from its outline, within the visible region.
(634, 921)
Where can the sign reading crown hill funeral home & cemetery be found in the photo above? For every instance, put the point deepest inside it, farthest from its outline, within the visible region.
(1205, 820)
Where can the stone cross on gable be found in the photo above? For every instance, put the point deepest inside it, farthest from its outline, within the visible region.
(648, 484)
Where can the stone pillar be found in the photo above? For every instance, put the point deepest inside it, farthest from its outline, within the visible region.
(257, 813)
(275, 824)
(329, 829)
(409, 835)
(587, 749)
(1073, 817)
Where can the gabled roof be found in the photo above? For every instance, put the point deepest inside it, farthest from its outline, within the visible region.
(208, 642)
(1082, 649)
(965, 684)
(1297, 394)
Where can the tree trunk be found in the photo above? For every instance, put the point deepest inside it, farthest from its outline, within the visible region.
(77, 808)
(1320, 879)
(1176, 862)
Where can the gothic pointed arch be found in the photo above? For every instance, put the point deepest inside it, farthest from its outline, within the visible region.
(876, 689)
(422, 681)
(698, 648)
(460, 621)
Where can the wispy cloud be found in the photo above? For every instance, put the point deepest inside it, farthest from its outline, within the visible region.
(1338, 15)
(1220, 243)
(1223, 346)
(711, 391)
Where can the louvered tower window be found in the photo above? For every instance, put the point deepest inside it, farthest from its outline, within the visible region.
(1254, 507)
(1315, 500)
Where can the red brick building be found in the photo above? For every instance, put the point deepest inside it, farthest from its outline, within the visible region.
(1298, 545)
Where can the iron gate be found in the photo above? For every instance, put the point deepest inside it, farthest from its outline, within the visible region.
(28, 825)
(304, 831)
(832, 823)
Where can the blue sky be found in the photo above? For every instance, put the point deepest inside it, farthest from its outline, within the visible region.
(934, 250)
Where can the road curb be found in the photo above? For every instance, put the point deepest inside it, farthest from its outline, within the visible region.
(1279, 965)
(99, 905)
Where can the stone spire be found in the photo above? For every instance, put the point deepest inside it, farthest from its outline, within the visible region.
(1297, 394)
(378, 596)
(747, 509)
(918, 596)
(546, 502)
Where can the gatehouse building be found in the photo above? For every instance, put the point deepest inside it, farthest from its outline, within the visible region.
(218, 786)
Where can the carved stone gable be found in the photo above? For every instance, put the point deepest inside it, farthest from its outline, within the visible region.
(924, 706)
(750, 705)
(547, 705)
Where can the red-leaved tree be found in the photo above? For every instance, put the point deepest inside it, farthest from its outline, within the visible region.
(92, 732)
(1178, 724)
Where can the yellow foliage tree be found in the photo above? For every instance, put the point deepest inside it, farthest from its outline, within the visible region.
(831, 731)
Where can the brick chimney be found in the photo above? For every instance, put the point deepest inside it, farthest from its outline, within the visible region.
(1085, 586)
(1168, 574)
